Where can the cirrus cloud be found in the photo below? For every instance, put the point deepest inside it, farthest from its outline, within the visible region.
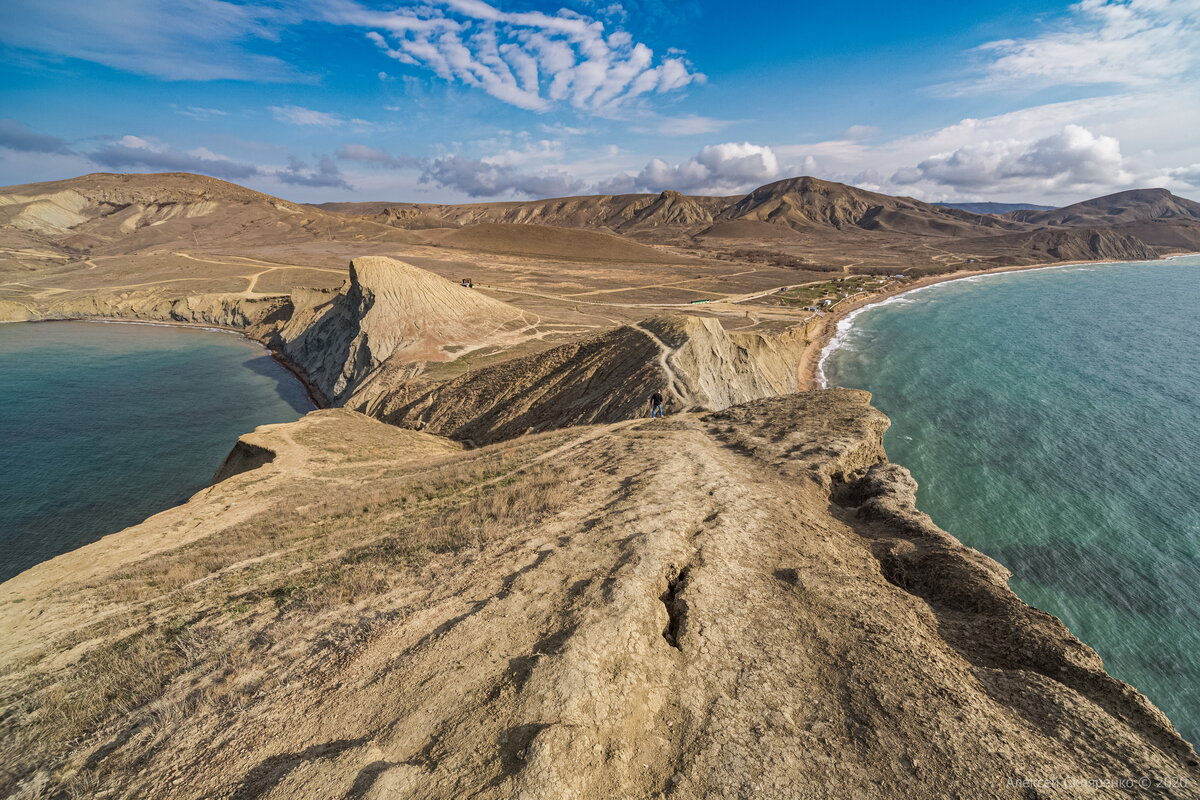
(1124, 42)
(531, 60)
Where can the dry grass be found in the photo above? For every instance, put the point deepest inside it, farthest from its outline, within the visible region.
(187, 617)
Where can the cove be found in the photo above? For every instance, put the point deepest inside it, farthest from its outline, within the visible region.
(1052, 420)
(103, 425)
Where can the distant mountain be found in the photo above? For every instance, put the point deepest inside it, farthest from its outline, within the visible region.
(1136, 205)
(805, 203)
(799, 203)
(623, 213)
(995, 208)
(141, 211)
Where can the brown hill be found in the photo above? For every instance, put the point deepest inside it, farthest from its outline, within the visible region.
(1058, 244)
(102, 212)
(1136, 205)
(528, 239)
(624, 213)
(806, 203)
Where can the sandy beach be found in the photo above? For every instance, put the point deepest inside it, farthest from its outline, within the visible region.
(810, 360)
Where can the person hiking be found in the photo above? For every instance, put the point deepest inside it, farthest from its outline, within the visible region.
(656, 405)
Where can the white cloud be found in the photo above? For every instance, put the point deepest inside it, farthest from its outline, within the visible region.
(1072, 160)
(559, 129)
(1155, 132)
(481, 178)
(182, 40)
(717, 169)
(143, 153)
(201, 113)
(298, 115)
(530, 60)
(1124, 42)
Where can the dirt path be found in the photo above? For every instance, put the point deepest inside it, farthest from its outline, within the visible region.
(675, 386)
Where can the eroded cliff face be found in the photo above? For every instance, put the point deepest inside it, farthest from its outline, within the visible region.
(255, 316)
(370, 345)
(731, 604)
(391, 311)
(692, 361)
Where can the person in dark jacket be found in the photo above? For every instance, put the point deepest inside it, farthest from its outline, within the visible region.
(656, 405)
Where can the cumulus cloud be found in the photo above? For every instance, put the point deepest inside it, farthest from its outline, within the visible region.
(137, 152)
(1074, 159)
(324, 174)
(719, 168)
(529, 59)
(483, 178)
(1190, 175)
(1125, 42)
(363, 154)
(15, 135)
(299, 115)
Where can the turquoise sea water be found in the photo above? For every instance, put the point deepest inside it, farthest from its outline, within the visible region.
(103, 425)
(1052, 420)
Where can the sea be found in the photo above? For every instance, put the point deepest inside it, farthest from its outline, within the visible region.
(105, 424)
(1052, 420)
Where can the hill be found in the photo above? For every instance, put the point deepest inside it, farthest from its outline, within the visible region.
(530, 239)
(394, 314)
(624, 213)
(807, 203)
(995, 208)
(1136, 205)
(97, 212)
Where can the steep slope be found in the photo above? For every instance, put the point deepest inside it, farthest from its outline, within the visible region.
(1137, 205)
(391, 313)
(743, 604)
(807, 203)
(1060, 244)
(693, 361)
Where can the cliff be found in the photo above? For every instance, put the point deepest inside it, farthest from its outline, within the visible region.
(390, 311)
(739, 603)
(693, 361)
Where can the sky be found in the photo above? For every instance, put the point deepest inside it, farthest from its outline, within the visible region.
(1026, 101)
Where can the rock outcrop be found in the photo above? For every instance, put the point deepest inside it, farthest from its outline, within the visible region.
(693, 361)
(390, 313)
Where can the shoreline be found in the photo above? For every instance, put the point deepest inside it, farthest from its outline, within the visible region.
(816, 352)
(315, 395)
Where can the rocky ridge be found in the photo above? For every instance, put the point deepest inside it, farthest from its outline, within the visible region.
(739, 603)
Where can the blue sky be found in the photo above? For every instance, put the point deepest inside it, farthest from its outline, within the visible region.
(460, 100)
